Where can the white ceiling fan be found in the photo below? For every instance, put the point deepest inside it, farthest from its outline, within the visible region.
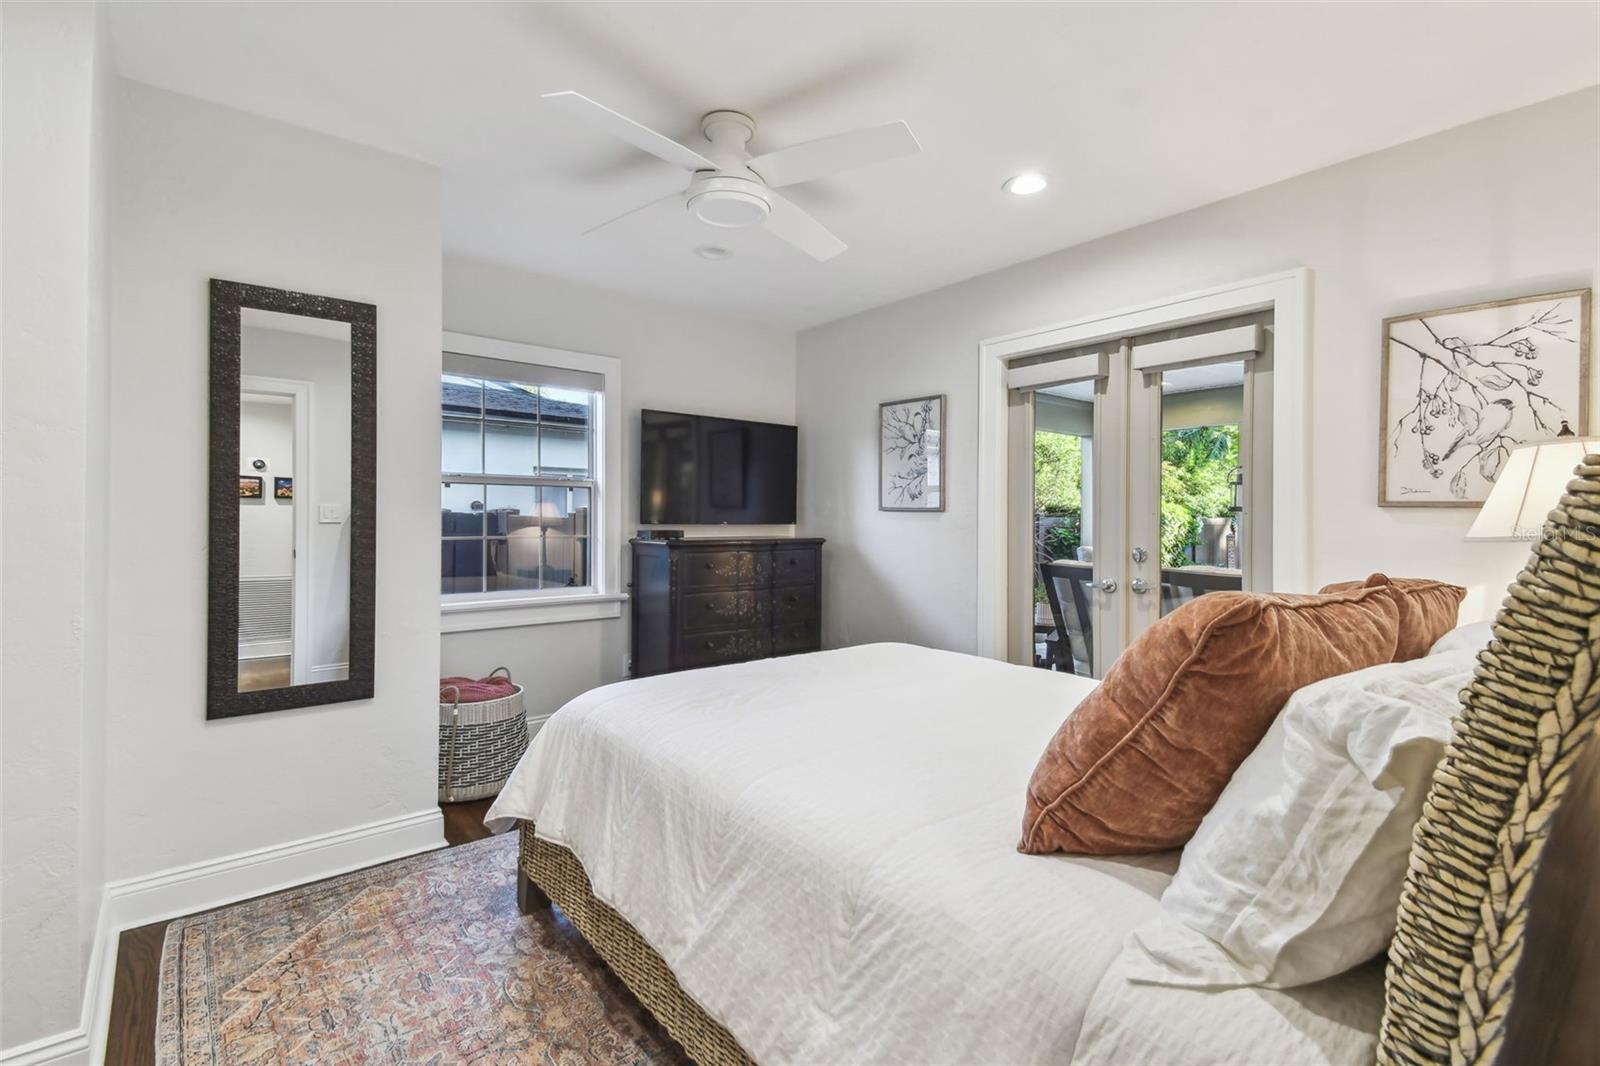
(730, 188)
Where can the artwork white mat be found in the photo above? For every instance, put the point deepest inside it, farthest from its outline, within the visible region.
(1462, 386)
(911, 454)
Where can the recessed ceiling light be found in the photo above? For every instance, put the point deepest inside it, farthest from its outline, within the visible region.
(713, 252)
(1025, 184)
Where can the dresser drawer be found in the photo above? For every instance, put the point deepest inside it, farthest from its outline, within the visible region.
(794, 566)
(794, 603)
(797, 637)
(733, 609)
(707, 570)
(709, 649)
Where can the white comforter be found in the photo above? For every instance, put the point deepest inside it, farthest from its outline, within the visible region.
(823, 848)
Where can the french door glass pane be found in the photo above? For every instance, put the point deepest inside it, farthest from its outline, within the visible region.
(1202, 412)
(1063, 528)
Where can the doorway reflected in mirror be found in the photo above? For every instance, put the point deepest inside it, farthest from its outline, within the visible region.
(294, 573)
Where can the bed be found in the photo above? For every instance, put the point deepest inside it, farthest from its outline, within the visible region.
(819, 852)
(813, 859)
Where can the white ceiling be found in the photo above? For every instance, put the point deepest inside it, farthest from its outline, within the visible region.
(1135, 111)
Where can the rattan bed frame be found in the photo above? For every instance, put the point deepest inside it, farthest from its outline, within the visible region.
(552, 874)
(1526, 718)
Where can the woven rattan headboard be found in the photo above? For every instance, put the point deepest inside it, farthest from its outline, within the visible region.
(1525, 720)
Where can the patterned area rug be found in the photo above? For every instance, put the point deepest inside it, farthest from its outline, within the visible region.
(425, 960)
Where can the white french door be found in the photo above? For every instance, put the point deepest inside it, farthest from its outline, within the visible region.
(1137, 473)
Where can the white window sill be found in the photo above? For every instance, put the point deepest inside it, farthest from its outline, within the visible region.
(466, 615)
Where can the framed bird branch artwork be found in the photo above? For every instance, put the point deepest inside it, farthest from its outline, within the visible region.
(1462, 386)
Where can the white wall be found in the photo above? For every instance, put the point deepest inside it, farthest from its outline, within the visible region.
(201, 191)
(266, 525)
(1501, 207)
(52, 539)
(672, 359)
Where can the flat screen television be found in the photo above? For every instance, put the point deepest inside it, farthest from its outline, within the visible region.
(699, 470)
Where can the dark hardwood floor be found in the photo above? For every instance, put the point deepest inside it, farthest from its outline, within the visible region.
(463, 822)
(131, 1040)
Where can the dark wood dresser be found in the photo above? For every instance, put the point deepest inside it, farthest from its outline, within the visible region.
(706, 601)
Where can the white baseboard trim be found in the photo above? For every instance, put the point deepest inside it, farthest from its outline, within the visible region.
(64, 1049)
(329, 672)
(203, 886)
(79, 1045)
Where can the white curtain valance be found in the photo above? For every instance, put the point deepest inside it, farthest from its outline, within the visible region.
(1240, 342)
(1058, 372)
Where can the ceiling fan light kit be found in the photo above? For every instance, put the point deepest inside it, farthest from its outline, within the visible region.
(728, 203)
(730, 189)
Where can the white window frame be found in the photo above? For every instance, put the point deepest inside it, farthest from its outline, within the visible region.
(461, 612)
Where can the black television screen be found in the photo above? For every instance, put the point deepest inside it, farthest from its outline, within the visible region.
(699, 470)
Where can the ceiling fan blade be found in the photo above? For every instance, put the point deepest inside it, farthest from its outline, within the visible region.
(829, 155)
(637, 210)
(623, 128)
(801, 230)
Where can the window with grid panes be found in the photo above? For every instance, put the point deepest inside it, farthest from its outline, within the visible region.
(519, 485)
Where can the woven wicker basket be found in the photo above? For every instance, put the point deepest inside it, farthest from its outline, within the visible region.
(479, 744)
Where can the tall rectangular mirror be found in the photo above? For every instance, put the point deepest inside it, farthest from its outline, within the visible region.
(293, 459)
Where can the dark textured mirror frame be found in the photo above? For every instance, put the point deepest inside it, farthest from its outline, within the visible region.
(228, 299)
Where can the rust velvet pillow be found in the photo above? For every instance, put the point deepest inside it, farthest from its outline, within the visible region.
(1428, 609)
(1147, 753)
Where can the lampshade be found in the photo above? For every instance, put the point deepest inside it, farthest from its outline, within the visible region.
(1529, 486)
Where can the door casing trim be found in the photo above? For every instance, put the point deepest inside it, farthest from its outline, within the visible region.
(1286, 294)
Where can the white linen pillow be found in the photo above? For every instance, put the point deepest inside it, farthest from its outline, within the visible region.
(1474, 636)
(1294, 875)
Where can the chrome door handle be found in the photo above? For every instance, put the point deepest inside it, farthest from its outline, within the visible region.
(1139, 585)
(1108, 584)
